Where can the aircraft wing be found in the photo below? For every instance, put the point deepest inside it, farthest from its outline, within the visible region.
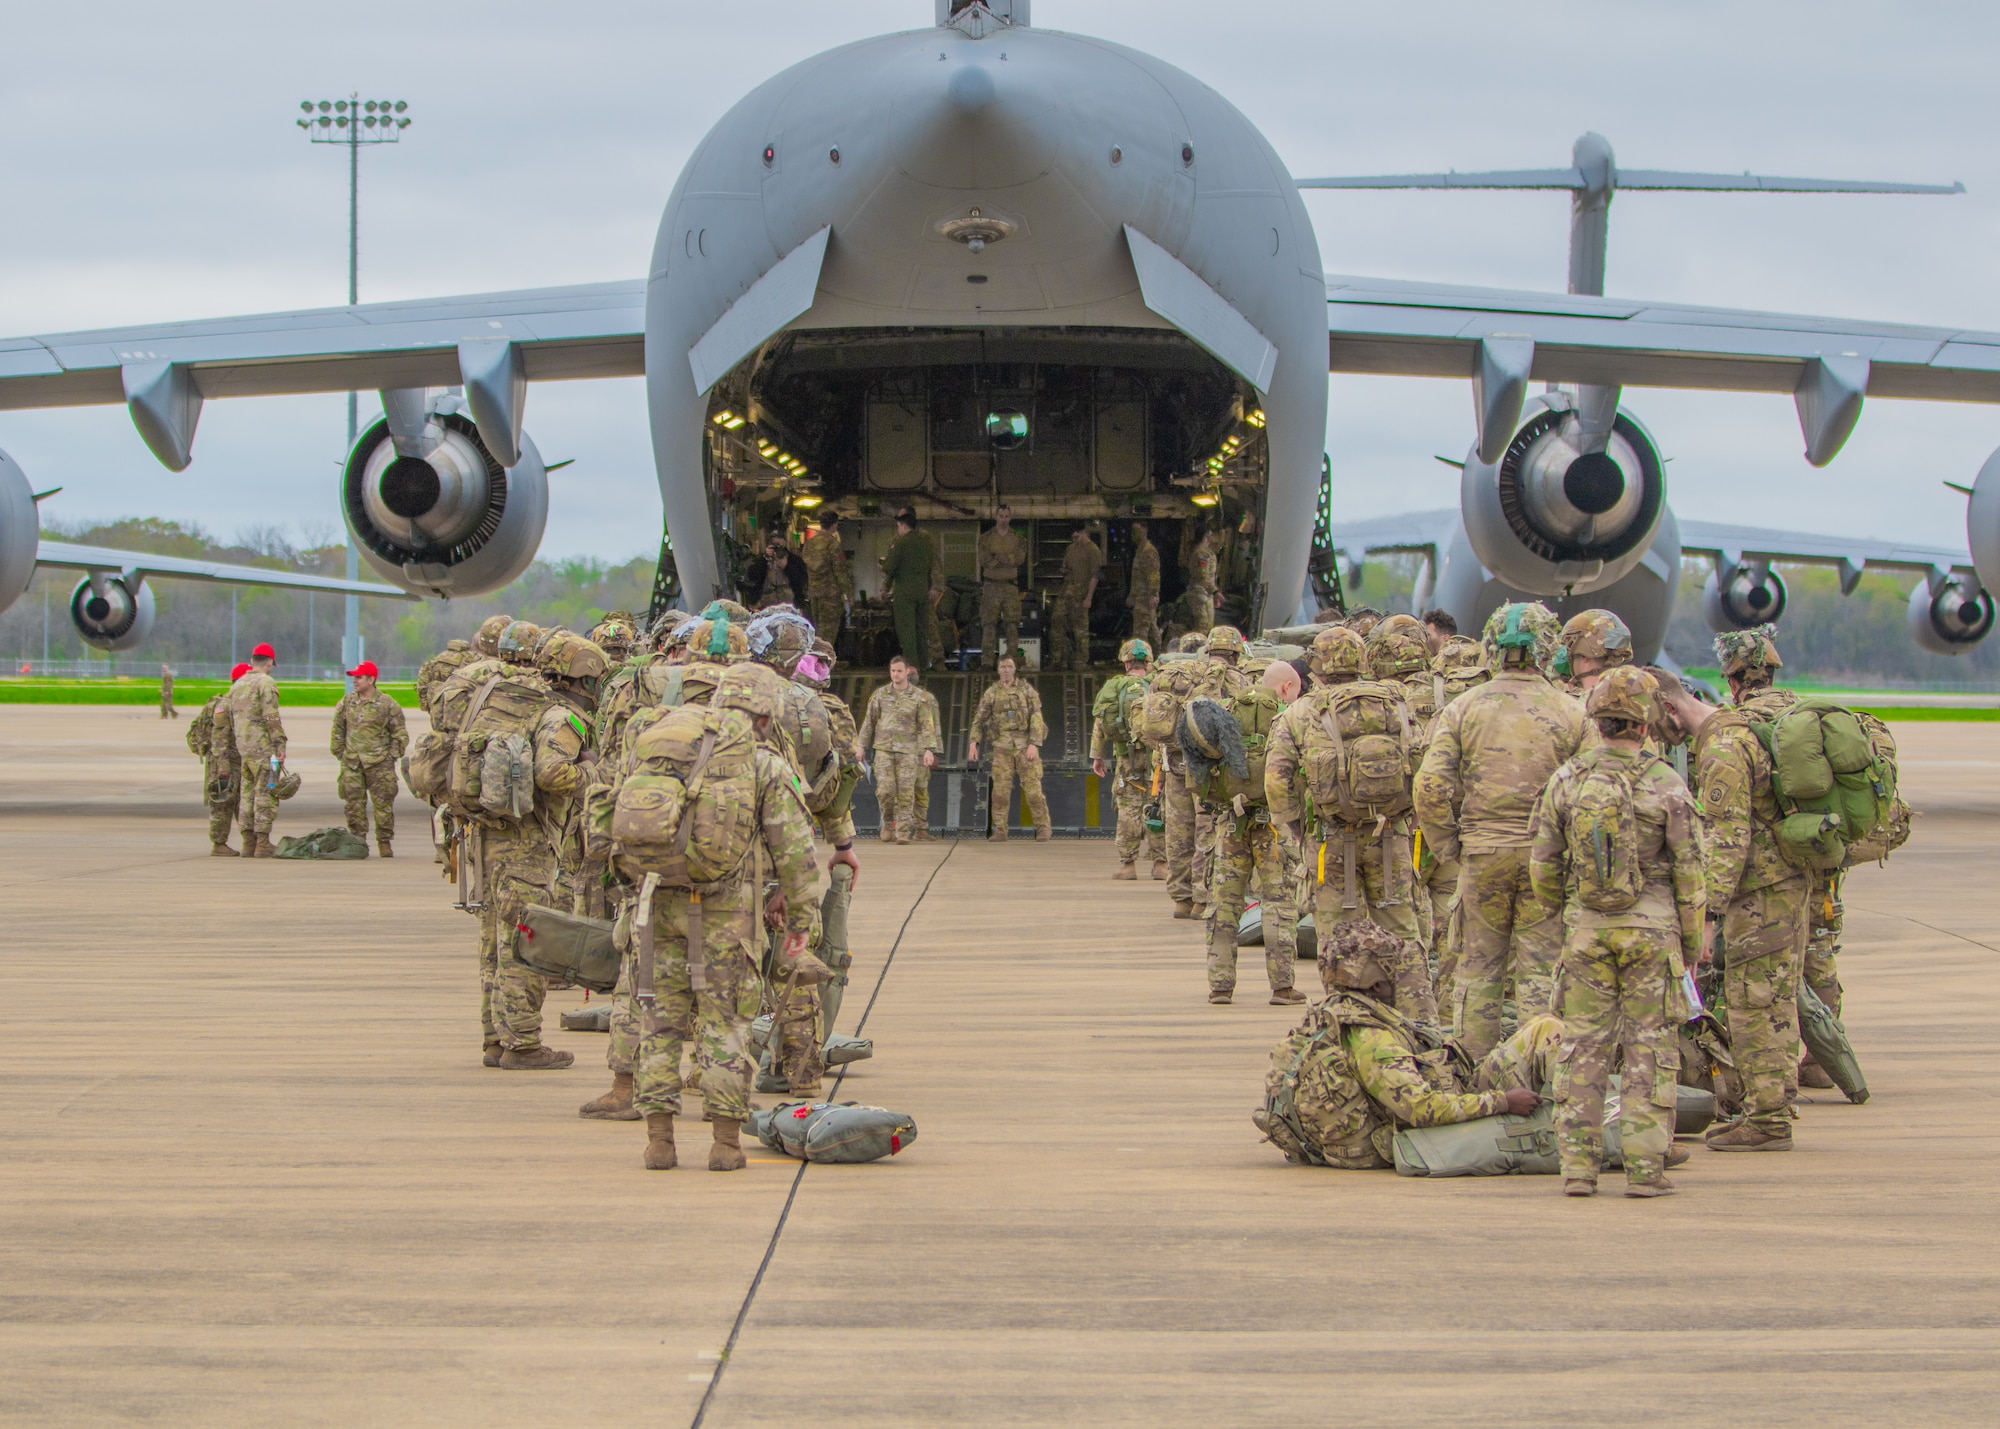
(1431, 330)
(105, 558)
(595, 330)
(1739, 545)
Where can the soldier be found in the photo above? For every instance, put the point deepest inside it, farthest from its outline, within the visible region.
(920, 801)
(1617, 846)
(1001, 554)
(1363, 619)
(1203, 580)
(1349, 747)
(898, 729)
(369, 736)
(259, 733)
(1111, 738)
(710, 998)
(212, 735)
(1144, 595)
(908, 568)
(1756, 900)
(485, 645)
(1215, 675)
(615, 635)
(167, 710)
(1009, 718)
(1439, 626)
(829, 581)
(778, 577)
(1460, 664)
(1069, 624)
(1592, 641)
(1491, 751)
(1399, 653)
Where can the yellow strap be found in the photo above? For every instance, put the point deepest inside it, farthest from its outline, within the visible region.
(1322, 861)
(1417, 847)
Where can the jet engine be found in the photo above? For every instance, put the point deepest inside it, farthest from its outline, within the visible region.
(111, 613)
(1953, 617)
(1753, 595)
(20, 531)
(436, 514)
(1551, 519)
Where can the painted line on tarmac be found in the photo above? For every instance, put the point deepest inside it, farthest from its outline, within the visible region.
(778, 1231)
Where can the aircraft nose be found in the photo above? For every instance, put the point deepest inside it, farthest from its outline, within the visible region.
(963, 130)
(970, 88)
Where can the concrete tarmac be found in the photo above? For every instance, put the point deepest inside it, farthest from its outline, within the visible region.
(252, 1171)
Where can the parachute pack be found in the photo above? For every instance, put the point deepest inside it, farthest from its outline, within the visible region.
(567, 947)
(1603, 834)
(833, 1131)
(1356, 753)
(1117, 707)
(1835, 785)
(1507, 1145)
(688, 809)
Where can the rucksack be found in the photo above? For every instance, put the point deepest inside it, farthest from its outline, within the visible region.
(1832, 785)
(1116, 708)
(641, 683)
(1314, 1108)
(1356, 752)
(493, 757)
(688, 809)
(1603, 834)
(1894, 831)
(1158, 711)
(1255, 709)
(830, 769)
(439, 669)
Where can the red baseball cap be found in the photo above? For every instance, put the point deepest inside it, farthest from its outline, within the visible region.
(242, 669)
(264, 652)
(366, 667)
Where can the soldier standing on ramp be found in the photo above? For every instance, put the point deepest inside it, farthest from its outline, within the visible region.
(899, 731)
(1001, 553)
(1113, 738)
(1144, 594)
(829, 580)
(907, 564)
(260, 746)
(1069, 626)
(1009, 718)
(369, 736)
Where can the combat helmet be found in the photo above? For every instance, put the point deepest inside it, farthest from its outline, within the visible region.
(753, 688)
(1189, 643)
(1357, 955)
(778, 635)
(1624, 693)
(824, 651)
(1225, 640)
(1363, 619)
(1519, 634)
(615, 635)
(1337, 655)
(1461, 655)
(1135, 649)
(1754, 649)
(1398, 647)
(486, 640)
(718, 641)
(517, 642)
(567, 655)
(1595, 635)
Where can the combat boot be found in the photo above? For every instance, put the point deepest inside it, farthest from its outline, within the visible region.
(727, 1152)
(998, 836)
(1747, 1137)
(222, 850)
(1286, 996)
(614, 1105)
(1044, 834)
(924, 835)
(382, 848)
(1579, 1188)
(660, 1153)
(1677, 1155)
(1813, 1077)
(1221, 995)
(491, 1054)
(1658, 1186)
(535, 1059)
(1183, 909)
(1159, 871)
(1126, 873)
(265, 848)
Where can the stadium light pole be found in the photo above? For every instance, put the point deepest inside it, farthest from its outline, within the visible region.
(354, 122)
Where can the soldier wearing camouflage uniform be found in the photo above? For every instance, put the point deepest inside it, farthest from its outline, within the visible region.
(1143, 595)
(1616, 824)
(1069, 622)
(829, 580)
(258, 730)
(1399, 654)
(1591, 642)
(1756, 899)
(1000, 555)
(715, 1015)
(369, 736)
(1217, 675)
(1204, 578)
(1134, 785)
(1492, 750)
(1359, 866)
(485, 645)
(920, 802)
(900, 732)
(1009, 720)
(212, 736)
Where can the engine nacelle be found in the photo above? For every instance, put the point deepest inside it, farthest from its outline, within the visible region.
(1753, 595)
(451, 522)
(1954, 618)
(20, 531)
(1982, 522)
(110, 614)
(1550, 521)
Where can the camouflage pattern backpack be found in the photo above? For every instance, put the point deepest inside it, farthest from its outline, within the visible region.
(1117, 706)
(1602, 834)
(1172, 685)
(1358, 752)
(688, 809)
(1212, 766)
(493, 757)
(1314, 1108)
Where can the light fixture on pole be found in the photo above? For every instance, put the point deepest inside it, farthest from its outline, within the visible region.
(354, 122)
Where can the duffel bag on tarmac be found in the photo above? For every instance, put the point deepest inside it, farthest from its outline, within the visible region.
(335, 843)
(1250, 933)
(836, 1051)
(1526, 1145)
(591, 1017)
(1826, 1038)
(567, 947)
(833, 1131)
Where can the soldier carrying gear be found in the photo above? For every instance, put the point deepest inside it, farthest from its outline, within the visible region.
(1133, 650)
(259, 733)
(212, 735)
(1114, 712)
(1337, 655)
(1520, 634)
(1591, 642)
(1226, 643)
(1460, 664)
(1617, 846)
(1399, 654)
(517, 642)
(1397, 648)
(615, 635)
(1749, 658)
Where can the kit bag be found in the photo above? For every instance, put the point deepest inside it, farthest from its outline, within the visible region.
(1254, 708)
(834, 1131)
(1603, 834)
(1314, 1108)
(1356, 752)
(567, 947)
(493, 756)
(333, 843)
(1825, 1037)
(1159, 710)
(1834, 785)
(1485, 1146)
(688, 809)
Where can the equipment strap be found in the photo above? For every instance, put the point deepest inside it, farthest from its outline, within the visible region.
(478, 699)
(642, 976)
(1339, 768)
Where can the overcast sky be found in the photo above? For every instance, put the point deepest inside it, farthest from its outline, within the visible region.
(152, 171)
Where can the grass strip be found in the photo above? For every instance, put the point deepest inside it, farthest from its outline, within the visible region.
(188, 694)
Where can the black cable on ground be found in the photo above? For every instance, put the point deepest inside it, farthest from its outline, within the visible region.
(777, 1231)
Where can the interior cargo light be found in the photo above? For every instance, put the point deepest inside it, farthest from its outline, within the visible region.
(806, 500)
(1255, 417)
(1204, 498)
(727, 420)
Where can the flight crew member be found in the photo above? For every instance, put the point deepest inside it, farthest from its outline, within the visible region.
(1069, 635)
(907, 564)
(259, 732)
(1144, 593)
(1756, 900)
(1491, 751)
(1617, 845)
(212, 735)
(1111, 738)
(778, 577)
(829, 580)
(1001, 553)
(899, 731)
(1009, 718)
(1204, 580)
(369, 736)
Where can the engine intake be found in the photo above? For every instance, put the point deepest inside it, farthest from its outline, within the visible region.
(1953, 618)
(110, 614)
(450, 522)
(1753, 595)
